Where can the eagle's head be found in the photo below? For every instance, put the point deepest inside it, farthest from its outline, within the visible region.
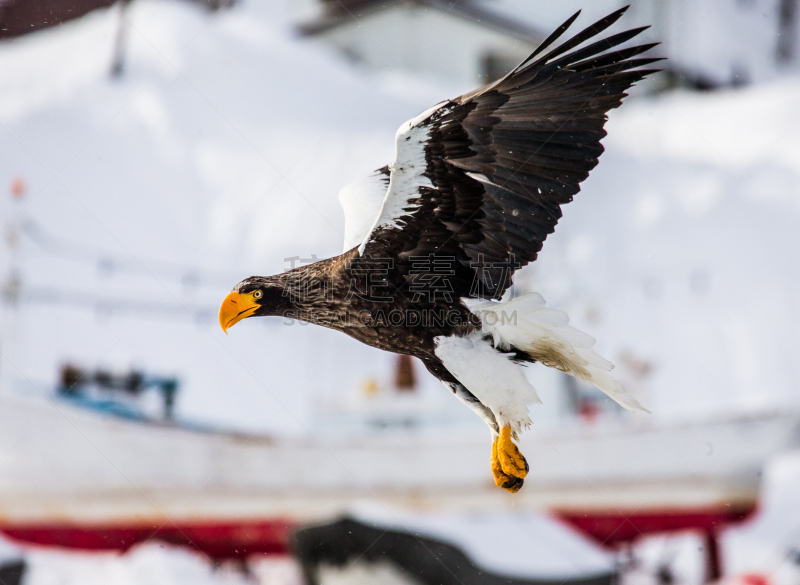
(256, 296)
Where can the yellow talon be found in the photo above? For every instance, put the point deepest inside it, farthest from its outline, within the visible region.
(508, 465)
(511, 459)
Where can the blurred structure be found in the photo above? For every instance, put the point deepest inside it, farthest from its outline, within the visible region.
(615, 483)
(20, 17)
(405, 380)
(12, 564)
(478, 41)
(787, 31)
(17, 188)
(118, 59)
(11, 572)
(115, 393)
(392, 400)
(431, 555)
(11, 280)
(472, 44)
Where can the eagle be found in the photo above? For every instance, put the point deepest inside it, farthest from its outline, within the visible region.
(432, 240)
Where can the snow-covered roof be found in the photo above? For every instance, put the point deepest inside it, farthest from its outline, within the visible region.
(339, 13)
(514, 544)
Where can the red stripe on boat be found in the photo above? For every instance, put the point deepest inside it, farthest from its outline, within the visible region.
(612, 528)
(218, 540)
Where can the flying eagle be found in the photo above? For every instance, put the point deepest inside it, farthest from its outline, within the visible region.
(432, 240)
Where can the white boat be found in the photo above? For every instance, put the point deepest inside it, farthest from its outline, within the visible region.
(74, 477)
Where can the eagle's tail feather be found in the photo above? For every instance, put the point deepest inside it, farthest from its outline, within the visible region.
(544, 334)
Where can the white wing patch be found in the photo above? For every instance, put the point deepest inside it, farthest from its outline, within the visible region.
(361, 202)
(407, 175)
(490, 376)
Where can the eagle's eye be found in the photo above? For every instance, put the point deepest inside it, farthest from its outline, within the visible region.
(257, 294)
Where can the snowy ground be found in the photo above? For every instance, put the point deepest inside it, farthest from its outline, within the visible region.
(153, 563)
(219, 153)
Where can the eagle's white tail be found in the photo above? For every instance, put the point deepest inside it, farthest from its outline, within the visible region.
(527, 324)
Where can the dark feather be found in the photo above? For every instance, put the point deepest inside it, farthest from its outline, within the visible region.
(504, 158)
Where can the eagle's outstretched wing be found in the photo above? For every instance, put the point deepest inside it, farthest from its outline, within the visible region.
(480, 179)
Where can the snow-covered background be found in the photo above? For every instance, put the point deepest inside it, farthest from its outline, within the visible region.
(219, 154)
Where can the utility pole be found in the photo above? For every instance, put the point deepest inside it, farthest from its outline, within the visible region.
(787, 31)
(11, 285)
(121, 40)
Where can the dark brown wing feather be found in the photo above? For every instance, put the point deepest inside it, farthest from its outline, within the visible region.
(503, 159)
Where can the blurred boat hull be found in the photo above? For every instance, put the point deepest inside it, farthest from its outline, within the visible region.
(73, 478)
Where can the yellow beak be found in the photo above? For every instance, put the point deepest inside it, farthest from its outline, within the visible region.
(236, 307)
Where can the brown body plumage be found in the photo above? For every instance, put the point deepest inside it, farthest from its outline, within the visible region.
(330, 293)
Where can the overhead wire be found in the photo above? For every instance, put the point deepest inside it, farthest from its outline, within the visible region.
(117, 306)
(109, 263)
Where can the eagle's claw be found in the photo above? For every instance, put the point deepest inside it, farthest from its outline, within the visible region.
(509, 467)
(513, 484)
(511, 460)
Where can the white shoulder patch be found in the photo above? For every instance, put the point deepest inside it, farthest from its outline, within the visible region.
(424, 115)
(490, 376)
(361, 202)
(407, 175)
